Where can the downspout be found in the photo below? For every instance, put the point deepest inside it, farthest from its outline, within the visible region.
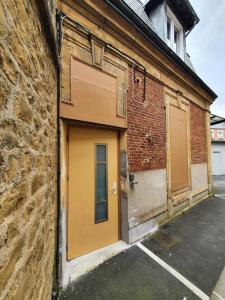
(57, 286)
(145, 83)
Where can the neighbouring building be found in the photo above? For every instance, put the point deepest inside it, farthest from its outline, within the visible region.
(134, 124)
(104, 133)
(28, 149)
(218, 145)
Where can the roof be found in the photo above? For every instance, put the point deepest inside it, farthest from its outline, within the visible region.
(214, 120)
(139, 9)
(182, 8)
(132, 11)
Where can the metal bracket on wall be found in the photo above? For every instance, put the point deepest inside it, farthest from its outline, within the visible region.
(131, 179)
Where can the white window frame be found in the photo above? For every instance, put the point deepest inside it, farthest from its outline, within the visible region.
(212, 134)
(175, 23)
(220, 134)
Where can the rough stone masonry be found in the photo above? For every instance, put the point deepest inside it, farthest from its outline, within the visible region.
(28, 89)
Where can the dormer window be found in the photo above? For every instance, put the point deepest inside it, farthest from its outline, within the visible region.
(175, 36)
(168, 30)
(176, 41)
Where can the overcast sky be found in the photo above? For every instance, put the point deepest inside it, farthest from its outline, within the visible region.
(206, 46)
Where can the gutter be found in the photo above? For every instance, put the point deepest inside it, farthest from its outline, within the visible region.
(128, 14)
(189, 31)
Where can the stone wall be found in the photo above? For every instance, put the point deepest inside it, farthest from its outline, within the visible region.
(27, 154)
(198, 135)
(146, 118)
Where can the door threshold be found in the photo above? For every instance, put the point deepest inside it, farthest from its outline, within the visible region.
(72, 270)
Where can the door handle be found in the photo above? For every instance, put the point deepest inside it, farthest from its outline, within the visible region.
(113, 188)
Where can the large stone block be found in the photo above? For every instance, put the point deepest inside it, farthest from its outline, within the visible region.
(23, 109)
(7, 270)
(14, 199)
(10, 170)
(37, 182)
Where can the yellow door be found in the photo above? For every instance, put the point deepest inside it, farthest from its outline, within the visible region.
(93, 190)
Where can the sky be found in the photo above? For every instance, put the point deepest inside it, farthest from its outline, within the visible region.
(206, 46)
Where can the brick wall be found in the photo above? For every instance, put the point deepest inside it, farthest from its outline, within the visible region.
(146, 135)
(198, 135)
(27, 154)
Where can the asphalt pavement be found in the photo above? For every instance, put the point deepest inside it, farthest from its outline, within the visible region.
(192, 245)
(219, 185)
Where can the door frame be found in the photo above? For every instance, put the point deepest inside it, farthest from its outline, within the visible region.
(80, 124)
(177, 197)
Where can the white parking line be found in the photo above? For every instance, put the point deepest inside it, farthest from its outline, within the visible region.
(220, 196)
(176, 274)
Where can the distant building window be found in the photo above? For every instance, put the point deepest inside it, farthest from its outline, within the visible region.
(174, 33)
(220, 134)
(212, 134)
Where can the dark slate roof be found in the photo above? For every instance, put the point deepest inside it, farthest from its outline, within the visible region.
(139, 9)
(214, 120)
(188, 61)
(186, 13)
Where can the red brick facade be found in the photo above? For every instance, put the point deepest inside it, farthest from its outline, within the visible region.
(198, 135)
(146, 135)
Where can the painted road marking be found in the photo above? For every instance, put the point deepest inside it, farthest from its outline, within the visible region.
(220, 196)
(218, 296)
(176, 274)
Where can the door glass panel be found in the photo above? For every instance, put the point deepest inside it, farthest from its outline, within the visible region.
(101, 153)
(101, 191)
(101, 181)
(101, 212)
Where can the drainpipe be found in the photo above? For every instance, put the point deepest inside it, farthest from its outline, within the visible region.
(57, 287)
